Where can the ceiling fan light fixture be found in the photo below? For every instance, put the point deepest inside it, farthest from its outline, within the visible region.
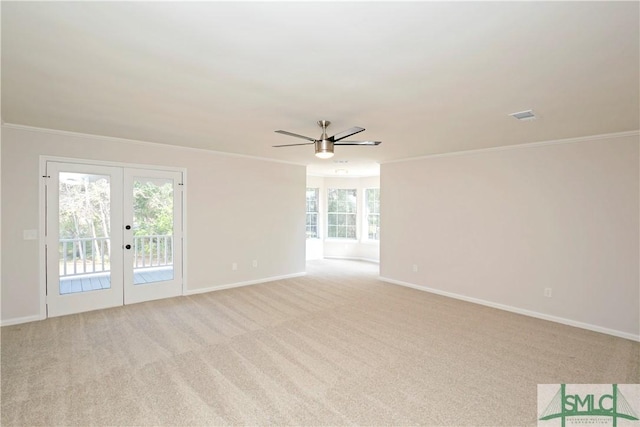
(324, 154)
(324, 149)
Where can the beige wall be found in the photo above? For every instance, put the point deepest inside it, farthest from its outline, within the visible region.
(499, 226)
(238, 209)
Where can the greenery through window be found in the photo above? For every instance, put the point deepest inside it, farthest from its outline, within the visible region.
(84, 227)
(372, 203)
(312, 213)
(341, 213)
(152, 206)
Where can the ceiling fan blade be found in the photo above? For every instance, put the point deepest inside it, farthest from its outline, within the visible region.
(358, 143)
(291, 145)
(284, 132)
(345, 134)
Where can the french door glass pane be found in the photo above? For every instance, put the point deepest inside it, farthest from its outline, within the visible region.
(152, 230)
(84, 247)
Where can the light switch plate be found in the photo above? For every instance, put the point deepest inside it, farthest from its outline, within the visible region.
(30, 234)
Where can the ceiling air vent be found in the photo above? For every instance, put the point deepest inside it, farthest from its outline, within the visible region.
(524, 115)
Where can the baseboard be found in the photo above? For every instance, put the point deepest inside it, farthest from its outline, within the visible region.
(26, 319)
(19, 320)
(353, 258)
(240, 284)
(517, 310)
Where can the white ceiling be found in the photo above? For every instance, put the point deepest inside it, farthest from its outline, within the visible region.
(422, 77)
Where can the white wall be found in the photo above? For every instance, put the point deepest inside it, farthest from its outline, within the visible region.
(499, 226)
(360, 248)
(239, 209)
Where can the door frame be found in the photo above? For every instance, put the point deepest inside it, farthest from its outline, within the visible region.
(42, 220)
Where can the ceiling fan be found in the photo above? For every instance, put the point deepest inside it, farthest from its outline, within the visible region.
(324, 145)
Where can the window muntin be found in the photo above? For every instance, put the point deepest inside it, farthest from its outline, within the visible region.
(372, 214)
(342, 213)
(312, 213)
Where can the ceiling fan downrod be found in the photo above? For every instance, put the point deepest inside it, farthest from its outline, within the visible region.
(324, 146)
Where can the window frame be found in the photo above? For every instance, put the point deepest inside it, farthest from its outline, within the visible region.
(316, 213)
(365, 215)
(345, 214)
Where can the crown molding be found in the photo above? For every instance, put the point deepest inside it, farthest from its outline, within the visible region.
(519, 146)
(138, 142)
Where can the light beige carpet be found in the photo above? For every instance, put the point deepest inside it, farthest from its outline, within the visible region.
(335, 347)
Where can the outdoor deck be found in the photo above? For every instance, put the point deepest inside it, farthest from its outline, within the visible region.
(97, 281)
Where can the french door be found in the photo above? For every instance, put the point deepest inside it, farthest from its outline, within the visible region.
(113, 236)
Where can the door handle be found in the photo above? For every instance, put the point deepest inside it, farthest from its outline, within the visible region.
(128, 227)
(128, 246)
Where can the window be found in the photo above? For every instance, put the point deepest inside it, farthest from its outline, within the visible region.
(372, 206)
(341, 213)
(312, 213)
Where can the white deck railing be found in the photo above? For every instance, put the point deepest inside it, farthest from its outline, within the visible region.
(91, 255)
(152, 251)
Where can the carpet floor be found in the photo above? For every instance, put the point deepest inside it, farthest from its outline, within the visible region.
(335, 347)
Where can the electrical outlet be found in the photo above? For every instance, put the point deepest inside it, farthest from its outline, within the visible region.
(415, 268)
(234, 266)
(547, 292)
(255, 263)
